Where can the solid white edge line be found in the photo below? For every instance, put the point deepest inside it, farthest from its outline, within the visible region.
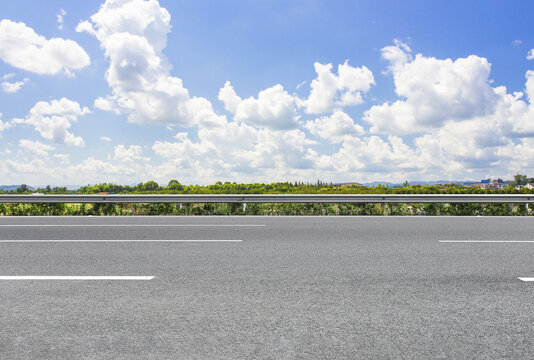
(31, 277)
(114, 240)
(487, 241)
(527, 279)
(131, 225)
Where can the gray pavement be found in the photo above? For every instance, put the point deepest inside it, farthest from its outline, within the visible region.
(293, 288)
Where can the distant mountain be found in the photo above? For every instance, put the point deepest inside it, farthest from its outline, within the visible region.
(13, 187)
(35, 187)
(69, 187)
(375, 183)
(459, 182)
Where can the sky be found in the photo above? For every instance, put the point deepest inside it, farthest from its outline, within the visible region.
(127, 91)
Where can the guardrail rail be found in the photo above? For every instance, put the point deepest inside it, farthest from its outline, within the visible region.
(243, 199)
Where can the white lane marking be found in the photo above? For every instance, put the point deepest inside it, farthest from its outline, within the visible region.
(526, 278)
(132, 225)
(117, 240)
(487, 241)
(142, 278)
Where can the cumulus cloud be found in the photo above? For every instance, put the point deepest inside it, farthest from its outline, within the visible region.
(371, 155)
(105, 104)
(330, 91)
(434, 91)
(23, 48)
(13, 87)
(4, 125)
(36, 147)
(133, 34)
(53, 119)
(334, 128)
(273, 108)
(63, 158)
(123, 154)
(520, 113)
(234, 149)
(460, 125)
(467, 128)
(59, 18)
(530, 55)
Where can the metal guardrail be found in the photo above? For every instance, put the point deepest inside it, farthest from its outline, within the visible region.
(273, 198)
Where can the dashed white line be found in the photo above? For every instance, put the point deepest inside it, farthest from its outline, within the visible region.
(31, 277)
(488, 241)
(526, 278)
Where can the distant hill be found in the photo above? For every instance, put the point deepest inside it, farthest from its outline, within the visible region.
(69, 187)
(464, 183)
(13, 187)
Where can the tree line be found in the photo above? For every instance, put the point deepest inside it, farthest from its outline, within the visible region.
(320, 187)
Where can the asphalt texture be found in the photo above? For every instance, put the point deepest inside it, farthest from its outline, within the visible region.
(293, 288)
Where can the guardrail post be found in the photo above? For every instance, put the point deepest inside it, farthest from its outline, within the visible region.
(244, 207)
(526, 206)
(511, 207)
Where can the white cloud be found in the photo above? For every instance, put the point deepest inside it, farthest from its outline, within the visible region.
(13, 87)
(105, 104)
(35, 147)
(23, 48)
(53, 119)
(123, 154)
(435, 91)
(517, 42)
(229, 98)
(335, 128)
(519, 113)
(273, 108)
(63, 158)
(529, 86)
(371, 155)
(133, 34)
(4, 125)
(59, 18)
(463, 126)
(330, 91)
(530, 55)
(398, 54)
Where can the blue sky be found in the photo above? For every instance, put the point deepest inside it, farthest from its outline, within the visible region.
(132, 90)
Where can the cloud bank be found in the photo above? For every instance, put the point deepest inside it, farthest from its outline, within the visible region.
(446, 120)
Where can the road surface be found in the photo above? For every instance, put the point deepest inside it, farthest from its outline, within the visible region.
(266, 287)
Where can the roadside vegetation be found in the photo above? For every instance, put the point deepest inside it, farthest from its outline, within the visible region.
(261, 209)
(174, 187)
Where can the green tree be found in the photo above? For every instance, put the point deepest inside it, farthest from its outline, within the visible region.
(520, 179)
(22, 189)
(175, 185)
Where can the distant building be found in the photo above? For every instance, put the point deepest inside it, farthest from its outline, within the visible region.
(497, 184)
(530, 186)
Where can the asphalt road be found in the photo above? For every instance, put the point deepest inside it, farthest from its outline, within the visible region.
(282, 288)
